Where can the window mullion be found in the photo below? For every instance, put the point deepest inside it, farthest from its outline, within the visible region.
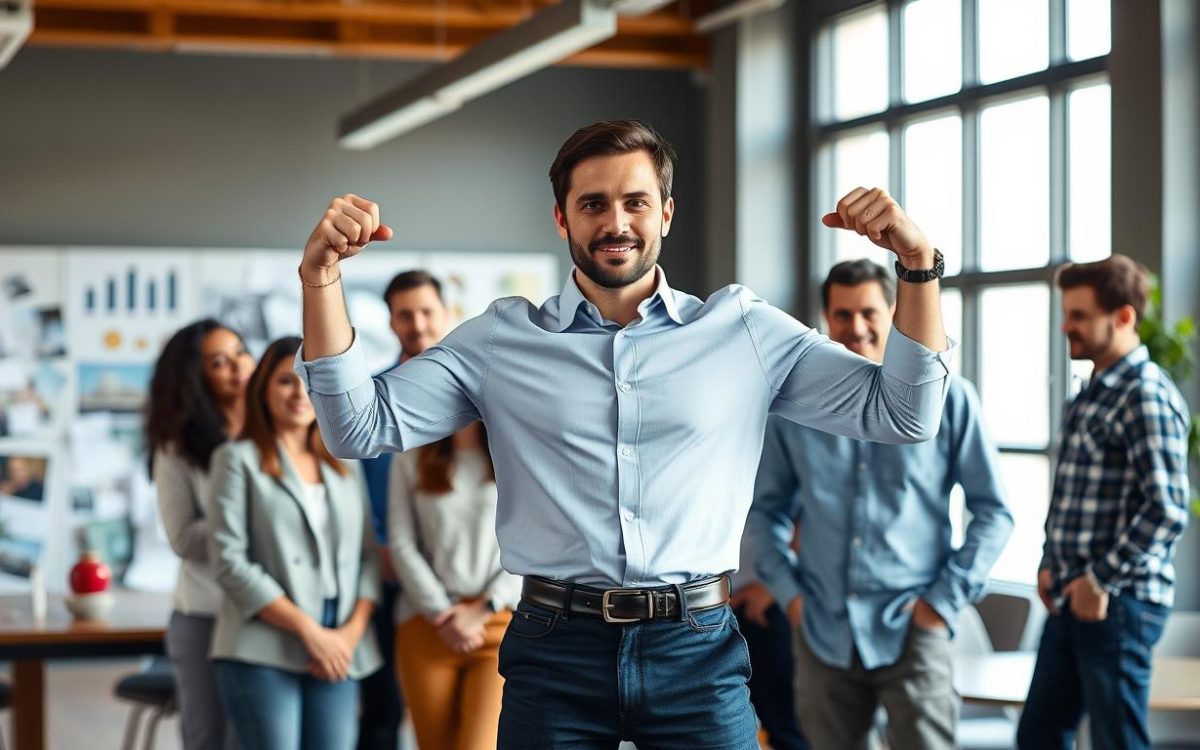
(1058, 31)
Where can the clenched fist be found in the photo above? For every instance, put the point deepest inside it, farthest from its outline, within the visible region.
(875, 215)
(348, 225)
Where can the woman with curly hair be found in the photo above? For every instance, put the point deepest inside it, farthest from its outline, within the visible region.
(197, 402)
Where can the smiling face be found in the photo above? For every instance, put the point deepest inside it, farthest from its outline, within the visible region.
(1092, 332)
(226, 365)
(859, 318)
(418, 318)
(614, 218)
(287, 399)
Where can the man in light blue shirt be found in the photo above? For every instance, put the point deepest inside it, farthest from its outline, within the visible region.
(876, 582)
(626, 420)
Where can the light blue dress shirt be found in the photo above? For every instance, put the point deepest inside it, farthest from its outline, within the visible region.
(625, 456)
(875, 529)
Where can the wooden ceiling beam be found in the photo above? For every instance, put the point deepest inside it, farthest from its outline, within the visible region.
(413, 29)
(493, 15)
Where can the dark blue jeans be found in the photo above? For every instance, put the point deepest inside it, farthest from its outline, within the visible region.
(772, 689)
(582, 683)
(274, 709)
(1098, 668)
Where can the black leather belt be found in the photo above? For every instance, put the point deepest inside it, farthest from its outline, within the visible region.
(625, 605)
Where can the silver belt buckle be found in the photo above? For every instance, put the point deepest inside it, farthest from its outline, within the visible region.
(606, 605)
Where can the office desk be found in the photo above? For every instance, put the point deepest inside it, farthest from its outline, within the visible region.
(1002, 679)
(136, 626)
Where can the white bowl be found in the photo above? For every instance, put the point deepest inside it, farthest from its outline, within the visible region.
(89, 606)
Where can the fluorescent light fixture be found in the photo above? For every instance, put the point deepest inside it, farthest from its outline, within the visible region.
(250, 49)
(402, 120)
(735, 11)
(538, 42)
(635, 8)
(16, 24)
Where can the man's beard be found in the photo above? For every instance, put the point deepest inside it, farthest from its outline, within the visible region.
(1092, 349)
(615, 276)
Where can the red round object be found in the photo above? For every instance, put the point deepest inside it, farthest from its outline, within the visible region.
(90, 574)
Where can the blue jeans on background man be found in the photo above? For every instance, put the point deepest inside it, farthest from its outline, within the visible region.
(580, 682)
(274, 709)
(772, 689)
(1098, 668)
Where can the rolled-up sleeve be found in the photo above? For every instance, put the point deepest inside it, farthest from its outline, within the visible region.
(423, 400)
(821, 384)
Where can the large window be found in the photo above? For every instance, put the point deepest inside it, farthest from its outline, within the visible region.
(1000, 150)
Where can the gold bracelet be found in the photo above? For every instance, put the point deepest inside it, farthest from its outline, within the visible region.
(300, 273)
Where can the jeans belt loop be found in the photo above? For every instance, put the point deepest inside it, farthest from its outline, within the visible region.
(568, 593)
(683, 607)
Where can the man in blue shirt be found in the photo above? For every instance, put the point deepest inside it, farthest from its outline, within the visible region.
(418, 317)
(625, 420)
(875, 582)
(1118, 508)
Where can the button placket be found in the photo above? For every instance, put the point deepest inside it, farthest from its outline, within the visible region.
(628, 417)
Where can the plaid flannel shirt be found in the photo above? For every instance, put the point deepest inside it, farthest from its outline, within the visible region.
(1121, 486)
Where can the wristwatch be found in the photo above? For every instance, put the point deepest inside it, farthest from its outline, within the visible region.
(921, 276)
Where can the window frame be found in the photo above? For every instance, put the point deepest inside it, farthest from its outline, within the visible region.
(1056, 82)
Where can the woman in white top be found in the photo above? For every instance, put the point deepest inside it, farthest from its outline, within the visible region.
(197, 401)
(455, 599)
(295, 554)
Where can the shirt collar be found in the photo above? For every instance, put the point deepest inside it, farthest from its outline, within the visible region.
(571, 298)
(1112, 377)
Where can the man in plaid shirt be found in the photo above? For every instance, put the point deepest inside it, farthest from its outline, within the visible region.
(1119, 504)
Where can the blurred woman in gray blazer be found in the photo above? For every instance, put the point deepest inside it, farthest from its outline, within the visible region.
(197, 402)
(295, 555)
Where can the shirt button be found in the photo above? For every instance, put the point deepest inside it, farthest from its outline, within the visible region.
(858, 541)
(862, 466)
(852, 596)
(629, 516)
(623, 385)
(620, 334)
(626, 451)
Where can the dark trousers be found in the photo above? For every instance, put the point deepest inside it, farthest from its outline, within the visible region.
(382, 705)
(585, 684)
(1098, 668)
(771, 688)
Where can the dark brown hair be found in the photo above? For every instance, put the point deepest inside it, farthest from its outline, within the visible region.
(855, 272)
(260, 429)
(414, 279)
(610, 138)
(435, 461)
(181, 412)
(1117, 281)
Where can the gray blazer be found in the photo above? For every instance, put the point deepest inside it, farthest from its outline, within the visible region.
(264, 547)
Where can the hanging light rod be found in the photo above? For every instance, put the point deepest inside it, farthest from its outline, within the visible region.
(733, 12)
(538, 42)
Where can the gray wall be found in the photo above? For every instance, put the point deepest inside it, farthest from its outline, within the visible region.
(133, 149)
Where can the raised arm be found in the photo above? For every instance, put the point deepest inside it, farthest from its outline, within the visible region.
(344, 230)
(430, 397)
(874, 214)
